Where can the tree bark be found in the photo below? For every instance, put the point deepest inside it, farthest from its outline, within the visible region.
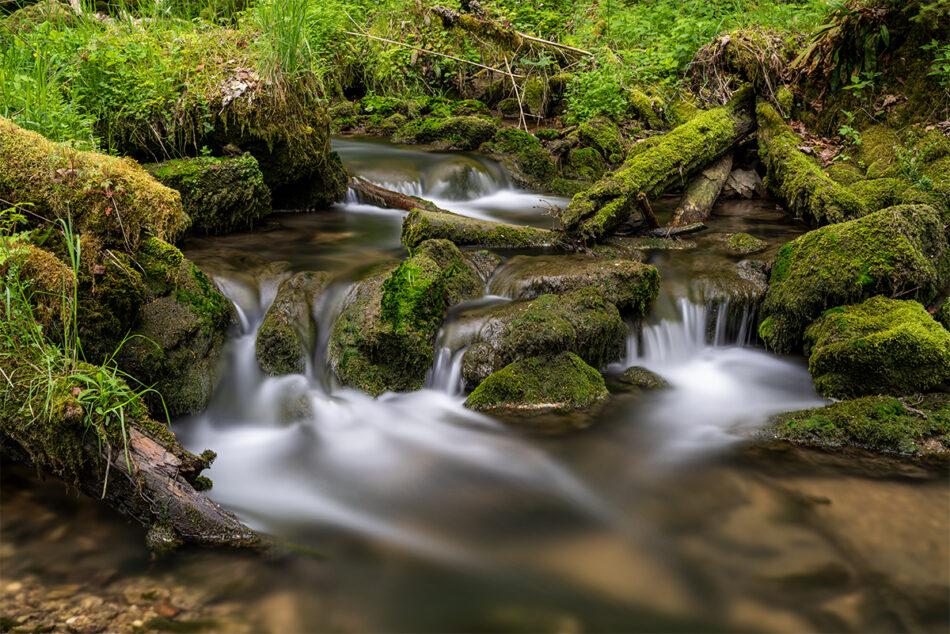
(702, 193)
(598, 210)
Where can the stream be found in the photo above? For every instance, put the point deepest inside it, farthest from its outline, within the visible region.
(661, 516)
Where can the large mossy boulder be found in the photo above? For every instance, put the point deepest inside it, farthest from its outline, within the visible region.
(219, 195)
(631, 286)
(882, 346)
(383, 340)
(450, 133)
(603, 135)
(900, 251)
(111, 198)
(539, 384)
(287, 334)
(582, 322)
(915, 426)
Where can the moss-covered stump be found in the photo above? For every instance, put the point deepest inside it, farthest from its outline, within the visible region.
(916, 426)
(451, 133)
(603, 135)
(285, 338)
(744, 244)
(421, 225)
(632, 287)
(540, 384)
(523, 156)
(882, 346)
(582, 322)
(638, 379)
(219, 195)
(594, 213)
(797, 179)
(178, 332)
(114, 199)
(900, 251)
(383, 340)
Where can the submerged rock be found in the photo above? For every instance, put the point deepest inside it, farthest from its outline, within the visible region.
(384, 338)
(539, 384)
(631, 286)
(285, 338)
(883, 346)
(637, 378)
(219, 195)
(582, 322)
(450, 133)
(900, 251)
(915, 426)
(744, 244)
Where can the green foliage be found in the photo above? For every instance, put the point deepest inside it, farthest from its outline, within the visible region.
(940, 67)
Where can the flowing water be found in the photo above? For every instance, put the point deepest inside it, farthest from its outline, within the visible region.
(661, 516)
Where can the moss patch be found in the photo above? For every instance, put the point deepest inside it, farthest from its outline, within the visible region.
(287, 334)
(452, 133)
(421, 225)
(603, 135)
(531, 161)
(882, 346)
(744, 244)
(901, 251)
(917, 426)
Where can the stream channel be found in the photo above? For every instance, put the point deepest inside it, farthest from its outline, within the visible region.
(660, 516)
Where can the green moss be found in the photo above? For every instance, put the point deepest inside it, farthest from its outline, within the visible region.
(109, 197)
(343, 116)
(530, 158)
(385, 126)
(603, 135)
(562, 381)
(535, 97)
(744, 244)
(455, 133)
(219, 195)
(468, 108)
(384, 338)
(943, 314)
(547, 134)
(797, 179)
(287, 334)
(901, 251)
(421, 225)
(881, 193)
(637, 378)
(785, 99)
(568, 187)
(882, 346)
(509, 107)
(584, 164)
(845, 173)
(668, 160)
(880, 423)
(647, 109)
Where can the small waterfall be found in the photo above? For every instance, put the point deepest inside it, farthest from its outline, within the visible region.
(445, 375)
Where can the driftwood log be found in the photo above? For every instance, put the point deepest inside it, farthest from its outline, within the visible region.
(702, 193)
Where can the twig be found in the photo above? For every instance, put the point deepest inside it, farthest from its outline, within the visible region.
(555, 44)
(423, 50)
(523, 124)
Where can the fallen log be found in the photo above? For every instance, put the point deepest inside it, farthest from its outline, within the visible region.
(421, 225)
(387, 198)
(702, 192)
(158, 485)
(597, 211)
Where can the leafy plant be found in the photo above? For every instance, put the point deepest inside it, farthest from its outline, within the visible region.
(849, 134)
(940, 67)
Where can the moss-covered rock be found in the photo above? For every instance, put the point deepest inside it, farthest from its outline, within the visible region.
(451, 133)
(421, 225)
(744, 244)
(637, 378)
(900, 251)
(647, 109)
(343, 116)
(797, 179)
(109, 197)
(582, 322)
(557, 382)
(631, 286)
(882, 346)
(219, 195)
(584, 164)
(509, 108)
(384, 338)
(286, 336)
(523, 156)
(603, 135)
(913, 426)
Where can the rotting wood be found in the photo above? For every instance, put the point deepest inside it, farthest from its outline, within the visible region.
(703, 192)
(647, 211)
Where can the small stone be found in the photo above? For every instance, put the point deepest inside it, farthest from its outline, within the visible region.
(16, 586)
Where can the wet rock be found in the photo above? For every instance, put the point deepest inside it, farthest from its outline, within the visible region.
(744, 184)
(161, 539)
(900, 251)
(484, 262)
(450, 133)
(638, 378)
(384, 338)
(629, 285)
(632, 248)
(219, 195)
(538, 384)
(285, 338)
(522, 155)
(582, 322)
(421, 225)
(917, 426)
(882, 346)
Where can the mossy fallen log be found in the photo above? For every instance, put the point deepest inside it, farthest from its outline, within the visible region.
(596, 212)
(796, 178)
(702, 193)
(421, 225)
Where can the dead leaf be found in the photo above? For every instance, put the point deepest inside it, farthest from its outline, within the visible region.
(98, 269)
